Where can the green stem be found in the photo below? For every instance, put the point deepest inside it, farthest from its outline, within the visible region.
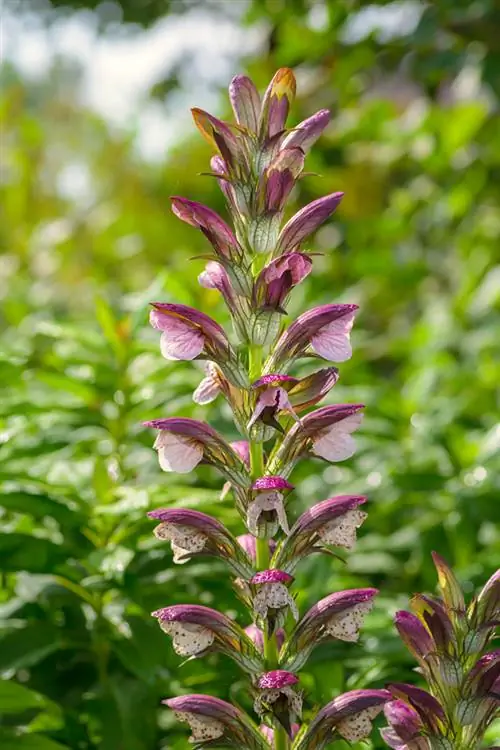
(281, 741)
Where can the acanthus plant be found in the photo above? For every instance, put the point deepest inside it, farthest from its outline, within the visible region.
(255, 264)
(452, 645)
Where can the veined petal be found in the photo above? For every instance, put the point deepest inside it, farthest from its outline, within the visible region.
(245, 101)
(332, 342)
(306, 221)
(276, 103)
(178, 453)
(307, 132)
(336, 443)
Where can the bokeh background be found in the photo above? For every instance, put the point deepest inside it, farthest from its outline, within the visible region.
(96, 135)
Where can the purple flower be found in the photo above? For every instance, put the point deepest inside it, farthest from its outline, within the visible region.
(266, 511)
(278, 179)
(272, 599)
(324, 330)
(212, 719)
(278, 394)
(350, 715)
(182, 443)
(245, 101)
(188, 333)
(277, 698)
(278, 278)
(195, 630)
(276, 103)
(213, 227)
(306, 221)
(338, 616)
(415, 635)
(326, 432)
(307, 132)
(331, 522)
(272, 399)
(257, 637)
(192, 533)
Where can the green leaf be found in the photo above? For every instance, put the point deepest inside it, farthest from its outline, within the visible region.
(15, 698)
(27, 646)
(11, 741)
(38, 506)
(25, 552)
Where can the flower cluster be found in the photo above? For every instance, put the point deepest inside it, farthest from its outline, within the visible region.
(450, 641)
(255, 263)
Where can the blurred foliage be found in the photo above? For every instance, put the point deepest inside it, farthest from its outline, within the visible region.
(414, 144)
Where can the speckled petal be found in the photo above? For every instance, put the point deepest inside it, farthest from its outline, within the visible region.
(341, 532)
(188, 639)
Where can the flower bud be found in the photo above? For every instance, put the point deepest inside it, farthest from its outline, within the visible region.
(415, 635)
(245, 101)
(276, 103)
(278, 278)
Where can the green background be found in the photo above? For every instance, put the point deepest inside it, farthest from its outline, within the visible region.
(415, 145)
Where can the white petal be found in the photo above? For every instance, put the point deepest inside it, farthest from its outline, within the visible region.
(179, 454)
(358, 727)
(266, 501)
(181, 341)
(188, 639)
(335, 443)
(207, 391)
(183, 539)
(332, 341)
(345, 625)
(335, 447)
(204, 728)
(341, 531)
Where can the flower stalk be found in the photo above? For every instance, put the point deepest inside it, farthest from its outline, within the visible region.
(255, 262)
